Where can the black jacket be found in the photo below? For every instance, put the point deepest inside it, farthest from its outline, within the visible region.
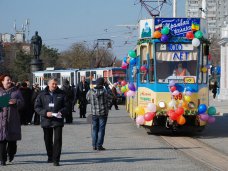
(81, 92)
(42, 107)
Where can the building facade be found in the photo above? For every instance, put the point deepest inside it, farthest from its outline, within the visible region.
(214, 11)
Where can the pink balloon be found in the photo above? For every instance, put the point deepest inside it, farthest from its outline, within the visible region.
(140, 120)
(171, 83)
(211, 119)
(204, 117)
(130, 93)
(151, 107)
(175, 93)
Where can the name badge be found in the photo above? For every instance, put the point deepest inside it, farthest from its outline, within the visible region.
(83, 89)
(51, 104)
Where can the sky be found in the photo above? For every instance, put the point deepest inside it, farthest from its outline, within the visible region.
(61, 23)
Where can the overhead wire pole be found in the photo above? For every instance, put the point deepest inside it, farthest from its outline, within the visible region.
(174, 8)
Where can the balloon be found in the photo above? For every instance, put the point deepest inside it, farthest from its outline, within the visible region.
(181, 120)
(174, 116)
(149, 116)
(151, 107)
(130, 93)
(132, 54)
(139, 110)
(169, 113)
(124, 65)
(203, 117)
(179, 111)
(202, 108)
(165, 30)
(143, 68)
(172, 103)
(133, 61)
(131, 86)
(198, 34)
(125, 59)
(164, 38)
(123, 89)
(191, 105)
(211, 110)
(185, 105)
(140, 120)
(175, 93)
(187, 98)
(204, 69)
(157, 34)
(171, 83)
(123, 83)
(195, 42)
(127, 87)
(188, 93)
(211, 119)
(189, 35)
(173, 88)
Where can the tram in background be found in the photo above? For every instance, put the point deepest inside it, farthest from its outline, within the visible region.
(112, 74)
(163, 45)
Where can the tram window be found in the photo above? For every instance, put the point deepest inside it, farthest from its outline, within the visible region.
(143, 54)
(46, 78)
(151, 70)
(88, 76)
(72, 78)
(179, 71)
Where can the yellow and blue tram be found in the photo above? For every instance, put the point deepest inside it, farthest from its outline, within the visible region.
(169, 74)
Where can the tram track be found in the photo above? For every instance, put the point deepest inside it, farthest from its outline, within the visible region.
(198, 151)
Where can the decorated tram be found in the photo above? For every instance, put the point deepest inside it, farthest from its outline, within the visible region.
(167, 75)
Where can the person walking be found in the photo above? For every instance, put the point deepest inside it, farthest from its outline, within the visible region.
(10, 125)
(214, 89)
(115, 96)
(35, 93)
(70, 99)
(81, 90)
(100, 101)
(51, 105)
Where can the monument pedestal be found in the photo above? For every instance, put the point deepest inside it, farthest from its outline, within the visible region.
(36, 65)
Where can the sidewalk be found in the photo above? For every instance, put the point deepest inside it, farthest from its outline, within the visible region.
(216, 134)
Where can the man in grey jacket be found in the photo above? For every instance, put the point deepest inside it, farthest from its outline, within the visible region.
(100, 102)
(51, 104)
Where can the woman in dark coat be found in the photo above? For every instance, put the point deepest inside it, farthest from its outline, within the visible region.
(214, 89)
(10, 126)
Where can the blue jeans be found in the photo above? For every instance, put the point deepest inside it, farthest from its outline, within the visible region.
(98, 130)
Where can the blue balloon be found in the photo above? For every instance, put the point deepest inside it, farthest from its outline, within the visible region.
(218, 70)
(125, 59)
(202, 108)
(133, 61)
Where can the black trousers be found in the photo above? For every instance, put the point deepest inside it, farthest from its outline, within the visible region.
(53, 148)
(69, 116)
(82, 110)
(114, 102)
(36, 119)
(9, 147)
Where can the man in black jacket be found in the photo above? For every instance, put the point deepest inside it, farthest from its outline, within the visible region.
(81, 90)
(51, 104)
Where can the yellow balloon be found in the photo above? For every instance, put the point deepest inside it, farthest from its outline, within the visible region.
(127, 87)
(139, 110)
(204, 69)
(187, 98)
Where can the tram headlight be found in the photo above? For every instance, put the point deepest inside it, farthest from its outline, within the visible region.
(161, 104)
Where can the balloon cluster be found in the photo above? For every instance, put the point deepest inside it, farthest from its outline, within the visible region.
(176, 112)
(131, 59)
(143, 116)
(206, 114)
(163, 35)
(128, 89)
(195, 37)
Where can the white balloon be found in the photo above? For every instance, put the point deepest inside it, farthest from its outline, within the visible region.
(172, 103)
(195, 42)
(151, 107)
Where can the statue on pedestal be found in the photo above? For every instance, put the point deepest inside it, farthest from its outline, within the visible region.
(36, 42)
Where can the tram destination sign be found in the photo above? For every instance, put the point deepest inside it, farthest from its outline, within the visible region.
(174, 47)
(178, 26)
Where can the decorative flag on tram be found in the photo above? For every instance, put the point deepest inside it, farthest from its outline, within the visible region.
(195, 26)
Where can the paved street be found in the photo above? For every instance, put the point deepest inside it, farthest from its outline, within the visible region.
(128, 148)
